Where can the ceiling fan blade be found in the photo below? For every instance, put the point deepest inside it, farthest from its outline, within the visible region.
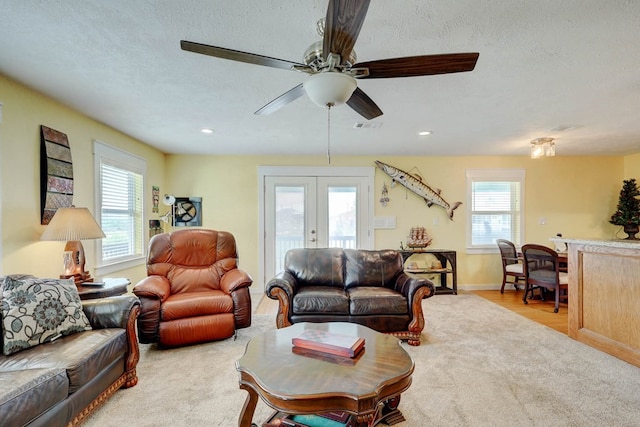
(342, 26)
(424, 65)
(363, 105)
(236, 55)
(284, 99)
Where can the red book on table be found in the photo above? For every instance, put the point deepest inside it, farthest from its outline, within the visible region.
(329, 342)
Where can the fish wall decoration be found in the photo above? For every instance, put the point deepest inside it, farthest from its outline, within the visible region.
(415, 185)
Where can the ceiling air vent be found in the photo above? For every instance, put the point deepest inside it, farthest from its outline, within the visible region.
(563, 128)
(368, 125)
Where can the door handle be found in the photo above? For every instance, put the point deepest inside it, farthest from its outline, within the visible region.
(312, 240)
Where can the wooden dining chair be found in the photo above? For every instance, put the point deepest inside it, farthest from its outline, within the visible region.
(542, 271)
(512, 265)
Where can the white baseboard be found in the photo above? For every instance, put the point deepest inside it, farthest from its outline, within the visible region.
(482, 287)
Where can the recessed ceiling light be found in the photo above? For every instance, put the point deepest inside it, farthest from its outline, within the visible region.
(424, 132)
(206, 130)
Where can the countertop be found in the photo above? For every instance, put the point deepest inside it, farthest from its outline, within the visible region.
(629, 244)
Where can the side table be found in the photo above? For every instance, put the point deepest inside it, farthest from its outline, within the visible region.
(106, 287)
(444, 256)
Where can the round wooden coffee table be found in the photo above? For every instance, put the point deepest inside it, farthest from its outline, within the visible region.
(292, 383)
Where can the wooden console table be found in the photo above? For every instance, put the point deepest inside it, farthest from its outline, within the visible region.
(447, 259)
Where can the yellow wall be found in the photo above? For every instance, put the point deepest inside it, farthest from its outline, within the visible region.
(24, 111)
(576, 195)
(632, 167)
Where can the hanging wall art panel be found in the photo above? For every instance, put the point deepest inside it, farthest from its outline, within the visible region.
(188, 212)
(56, 173)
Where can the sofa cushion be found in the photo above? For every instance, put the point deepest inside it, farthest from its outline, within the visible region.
(193, 304)
(27, 393)
(321, 299)
(35, 311)
(316, 267)
(371, 268)
(83, 356)
(376, 300)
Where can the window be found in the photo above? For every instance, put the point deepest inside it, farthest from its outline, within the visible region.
(496, 200)
(119, 208)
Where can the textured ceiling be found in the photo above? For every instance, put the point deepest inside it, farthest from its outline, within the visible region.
(542, 64)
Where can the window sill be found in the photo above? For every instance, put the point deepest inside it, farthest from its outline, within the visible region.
(119, 266)
(482, 251)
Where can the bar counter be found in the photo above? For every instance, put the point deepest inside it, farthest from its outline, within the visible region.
(604, 295)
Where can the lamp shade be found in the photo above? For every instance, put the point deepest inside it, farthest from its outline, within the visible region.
(69, 224)
(330, 88)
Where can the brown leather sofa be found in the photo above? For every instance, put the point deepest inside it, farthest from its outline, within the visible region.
(61, 382)
(194, 291)
(350, 285)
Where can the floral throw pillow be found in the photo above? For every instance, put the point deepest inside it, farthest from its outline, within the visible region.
(36, 311)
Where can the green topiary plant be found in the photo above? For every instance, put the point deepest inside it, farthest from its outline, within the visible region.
(628, 211)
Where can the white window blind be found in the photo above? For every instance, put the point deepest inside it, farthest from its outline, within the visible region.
(496, 200)
(120, 183)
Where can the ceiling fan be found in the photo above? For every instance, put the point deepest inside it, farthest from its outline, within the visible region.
(331, 63)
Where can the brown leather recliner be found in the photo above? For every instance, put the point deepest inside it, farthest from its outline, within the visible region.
(194, 291)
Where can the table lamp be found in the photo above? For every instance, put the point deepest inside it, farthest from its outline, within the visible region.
(73, 224)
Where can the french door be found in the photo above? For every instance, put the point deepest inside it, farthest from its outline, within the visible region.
(316, 208)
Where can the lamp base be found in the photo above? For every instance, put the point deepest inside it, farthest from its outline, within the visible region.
(78, 277)
(74, 263)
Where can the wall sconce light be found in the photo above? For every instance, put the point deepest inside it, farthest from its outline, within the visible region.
(73, 224)
(543, 147)
(169, 217)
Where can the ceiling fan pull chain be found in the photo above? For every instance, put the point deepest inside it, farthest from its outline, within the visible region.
(329, 133)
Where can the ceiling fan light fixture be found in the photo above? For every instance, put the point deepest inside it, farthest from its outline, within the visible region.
(330, 88)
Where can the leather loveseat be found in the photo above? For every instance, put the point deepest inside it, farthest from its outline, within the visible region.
(350, 285)
(59, 383)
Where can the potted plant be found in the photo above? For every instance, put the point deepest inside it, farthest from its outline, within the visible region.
(628, 213)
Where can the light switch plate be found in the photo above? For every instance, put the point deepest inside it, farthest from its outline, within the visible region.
(384, 222)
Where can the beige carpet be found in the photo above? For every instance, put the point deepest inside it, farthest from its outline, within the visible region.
(479, 365)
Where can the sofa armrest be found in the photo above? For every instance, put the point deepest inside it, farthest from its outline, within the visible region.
(409, 284)
(283, 280)
(234, 280)
(153, 287)
(283, 288)
(118, 312)
(112, 312)
(152, 291)
(236, 283)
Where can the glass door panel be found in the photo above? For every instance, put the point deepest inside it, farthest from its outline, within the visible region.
(342, 217)
(290, 217)
(313, 212)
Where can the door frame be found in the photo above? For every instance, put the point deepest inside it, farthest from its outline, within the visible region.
(317, 171)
